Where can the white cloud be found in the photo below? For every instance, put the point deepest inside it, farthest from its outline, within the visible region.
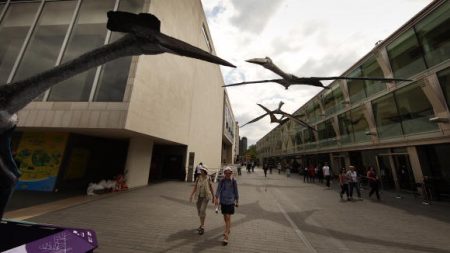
(303, 37)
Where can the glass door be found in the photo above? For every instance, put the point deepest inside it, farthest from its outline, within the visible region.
(404, 173)
(385, 172)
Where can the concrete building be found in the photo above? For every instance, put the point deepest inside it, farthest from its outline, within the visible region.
(242, 146)
(149, 117)
(402, 129)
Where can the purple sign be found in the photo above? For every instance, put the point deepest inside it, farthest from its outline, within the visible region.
(68, 240)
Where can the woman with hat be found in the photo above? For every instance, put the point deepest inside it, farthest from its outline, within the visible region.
(228, 197)
(203, 193)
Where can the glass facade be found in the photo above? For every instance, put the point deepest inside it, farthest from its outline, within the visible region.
(13, 30)
(444, 81)
(359, 124)
(88, 33)
(114, 74)
(406, 56)
(434, 35)
(47, 38)
(414, 113)
(46, 41)
(371, 68)
(345, 128)
(386, 117)
(356, 87)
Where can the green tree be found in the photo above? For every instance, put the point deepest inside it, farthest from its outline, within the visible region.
(251, 151)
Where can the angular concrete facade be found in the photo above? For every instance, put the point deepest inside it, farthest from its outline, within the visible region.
(169, 101)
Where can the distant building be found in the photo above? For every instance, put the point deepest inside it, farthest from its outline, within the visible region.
(402, 129)
(242, 146)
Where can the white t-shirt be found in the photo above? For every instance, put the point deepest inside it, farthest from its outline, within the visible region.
(326, 170)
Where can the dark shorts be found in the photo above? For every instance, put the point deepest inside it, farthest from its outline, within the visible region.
(227, 209)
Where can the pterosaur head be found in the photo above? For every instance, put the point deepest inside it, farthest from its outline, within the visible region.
(280, 105)
(260, 61)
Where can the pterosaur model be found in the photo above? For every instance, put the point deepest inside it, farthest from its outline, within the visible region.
(143, 36)
(290, 79)
(284, 117)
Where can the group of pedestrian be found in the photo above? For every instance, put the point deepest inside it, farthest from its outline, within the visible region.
(226, 196)
(349, 180)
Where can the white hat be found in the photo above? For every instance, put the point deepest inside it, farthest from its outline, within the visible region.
(227, 168)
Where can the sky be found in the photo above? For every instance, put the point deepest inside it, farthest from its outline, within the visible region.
(303, 37)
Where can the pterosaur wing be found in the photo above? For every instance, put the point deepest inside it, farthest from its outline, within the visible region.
(255, 119)
(250, 82)
(357, 78)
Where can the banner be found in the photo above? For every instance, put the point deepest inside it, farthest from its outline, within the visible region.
(40, 155)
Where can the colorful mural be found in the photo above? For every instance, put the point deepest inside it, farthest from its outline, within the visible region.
(40, 156)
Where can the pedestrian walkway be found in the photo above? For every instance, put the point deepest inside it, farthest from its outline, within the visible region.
(276, 214)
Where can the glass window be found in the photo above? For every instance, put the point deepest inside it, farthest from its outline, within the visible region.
(338, 98)
(328, 102)
(444, 80)
(386, 116)
(345, 127)
(327, 135)
(13, 30)
(434, 35)
(89, 33)
(356, 87)
(406, 56)
(414, 109)
(359, 125)
(371, 68)
(114, 74)
(310, 112)
(45, 43)
(308, 135)
(317, 111)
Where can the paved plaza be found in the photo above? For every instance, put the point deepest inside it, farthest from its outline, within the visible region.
(277, 214)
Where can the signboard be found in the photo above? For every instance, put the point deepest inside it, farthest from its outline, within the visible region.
(40, 155)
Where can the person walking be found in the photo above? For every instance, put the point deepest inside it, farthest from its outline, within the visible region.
(354, 182)
(265, 169)
(227, 196)
(343, 181)
(326, 173)
(373, 182)
(305, 175)
(203, 193)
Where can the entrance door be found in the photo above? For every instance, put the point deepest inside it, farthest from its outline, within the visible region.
(385, 173)
(404, 173)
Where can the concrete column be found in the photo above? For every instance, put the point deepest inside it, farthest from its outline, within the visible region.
(138, 161)
(415, 164)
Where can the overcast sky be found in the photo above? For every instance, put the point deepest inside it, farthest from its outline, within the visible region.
(303, 37)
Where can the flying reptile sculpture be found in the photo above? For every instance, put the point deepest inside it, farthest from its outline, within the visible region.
(290, 79)
(284, 117)
(143, 36)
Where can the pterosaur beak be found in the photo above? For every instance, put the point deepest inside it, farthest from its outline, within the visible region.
(146, 27)
(259, 61)
(184, 49)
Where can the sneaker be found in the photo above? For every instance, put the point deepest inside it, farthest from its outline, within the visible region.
(201, 231)
(425, 203)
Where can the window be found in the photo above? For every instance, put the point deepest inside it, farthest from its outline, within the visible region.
(406, 56)
(359, 124)
(114, 75)
(206, 37)
(328, 102)
(326, 133)
(46, 41)
(356, 87)
(371, 68)
(338, 98)
(444, 80)
(13, 30)
(345, 127)
(89, 33)
(414, 109)
(386, 116)
(434, 35)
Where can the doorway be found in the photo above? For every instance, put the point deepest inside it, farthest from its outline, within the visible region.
(396, 172)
